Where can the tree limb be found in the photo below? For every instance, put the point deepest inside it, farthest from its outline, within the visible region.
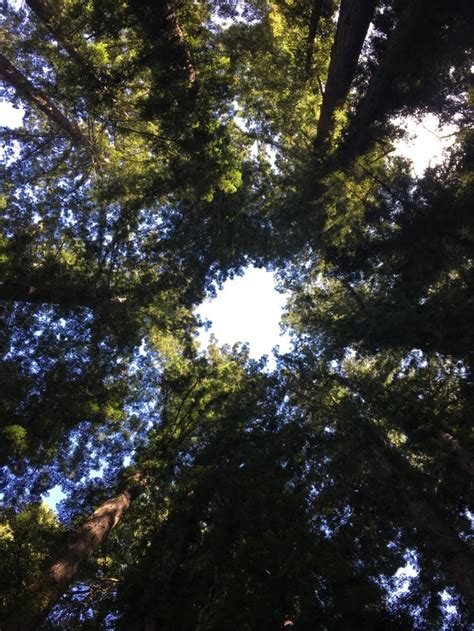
(27, 90)
(44, 13)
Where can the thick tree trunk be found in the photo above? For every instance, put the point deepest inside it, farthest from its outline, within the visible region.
(71, 559)
(455, 557)
(27, 90)
(371, 108)
(165, 554)
(462, 456)
(313, 29)
(354, 20)
(159, 19)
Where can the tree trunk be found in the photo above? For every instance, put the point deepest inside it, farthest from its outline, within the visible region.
(462, 456)
(27, 90)
(44, 13)
(354, 20)
(455, 557)
(166, 552)
(71, 559)
(159, 18)
(313, 29)
(371, 107)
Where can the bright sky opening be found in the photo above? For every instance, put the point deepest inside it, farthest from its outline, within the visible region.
(247, 309)
(9, 115)
(426, 142)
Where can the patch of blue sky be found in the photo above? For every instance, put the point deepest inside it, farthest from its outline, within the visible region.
(403, 577)
(239, 17)
(53, 497)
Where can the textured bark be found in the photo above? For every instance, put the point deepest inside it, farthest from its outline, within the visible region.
(370, 108)
(87, 540)
(354, 20)
(36, 97)
(456, 558)
(159, 18)
(45, 14)
(462, 456)
(313, 29)
(166, 551)
(71, 559)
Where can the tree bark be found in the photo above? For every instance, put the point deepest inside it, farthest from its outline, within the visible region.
(462, 456)
(371, 108)
(354, 20)
(70, 561)
(44, 13)
(313, 29)
(157, 18)
(455, 557)
(27, 90)
(166, 551)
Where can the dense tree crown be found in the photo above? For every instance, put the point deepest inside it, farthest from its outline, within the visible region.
(164, 147)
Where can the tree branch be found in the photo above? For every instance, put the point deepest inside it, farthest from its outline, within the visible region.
(27, 90)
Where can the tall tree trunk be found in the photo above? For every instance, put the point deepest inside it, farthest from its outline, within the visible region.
(27, 90)
(71, 559)
(354, 20)
(166, 552)
(159, 19)
(313, 29)
(455, 557)
(371, 108)
(463, 457)
(44, 12)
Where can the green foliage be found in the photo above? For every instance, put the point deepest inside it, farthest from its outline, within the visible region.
(28, 539)
(258, 499)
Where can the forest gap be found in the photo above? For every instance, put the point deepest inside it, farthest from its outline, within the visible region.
(247, 309)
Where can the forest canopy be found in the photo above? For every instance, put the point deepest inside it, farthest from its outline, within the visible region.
(165, 146)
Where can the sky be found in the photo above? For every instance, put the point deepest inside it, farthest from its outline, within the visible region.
(247, 309)
(425, 143)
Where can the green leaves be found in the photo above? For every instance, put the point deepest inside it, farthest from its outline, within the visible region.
(264, 499)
